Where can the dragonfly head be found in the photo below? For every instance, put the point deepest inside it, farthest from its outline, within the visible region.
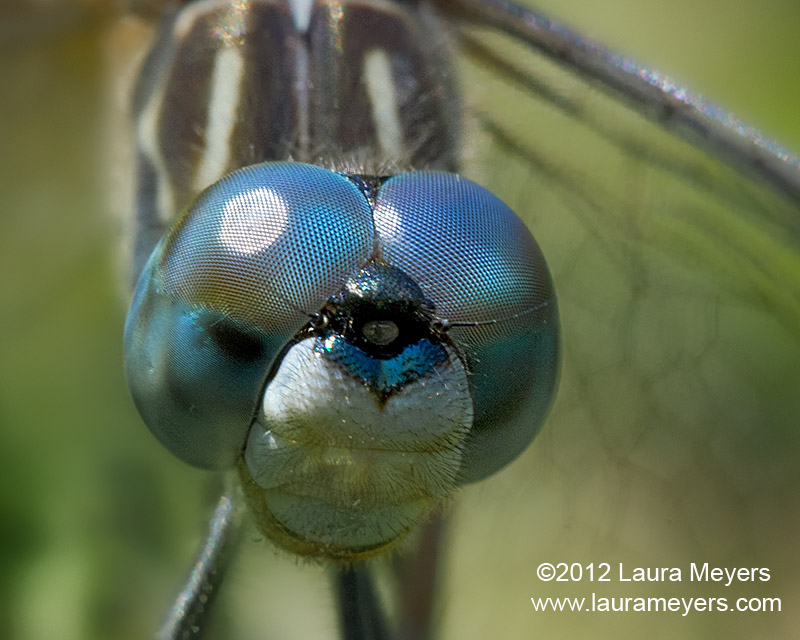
(356, 352)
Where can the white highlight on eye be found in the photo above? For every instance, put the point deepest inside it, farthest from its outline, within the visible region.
(388, 221)
(383, 99)
(251, 221)
(226, 85)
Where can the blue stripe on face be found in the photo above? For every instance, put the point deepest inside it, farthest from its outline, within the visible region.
(384, 377)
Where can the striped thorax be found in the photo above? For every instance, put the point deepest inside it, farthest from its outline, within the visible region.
(361, 86)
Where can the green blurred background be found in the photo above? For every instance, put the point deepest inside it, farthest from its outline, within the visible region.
(97, 522)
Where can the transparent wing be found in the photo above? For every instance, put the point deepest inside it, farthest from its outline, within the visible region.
(673, 437)
(657, 96)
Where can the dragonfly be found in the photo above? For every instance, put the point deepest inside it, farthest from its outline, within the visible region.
(629, 451)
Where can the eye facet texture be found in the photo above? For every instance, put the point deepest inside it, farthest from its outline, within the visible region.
(257, 253)
(478, 264)
(264, 249)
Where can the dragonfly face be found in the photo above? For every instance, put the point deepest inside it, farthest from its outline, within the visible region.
(373, 411)
(431, 356)
(614, 476)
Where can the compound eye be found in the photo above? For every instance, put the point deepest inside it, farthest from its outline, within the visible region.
(268, 244)
(487, 279)
(235, 278)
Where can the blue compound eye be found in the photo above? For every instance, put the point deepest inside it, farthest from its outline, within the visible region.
(479, 265)
(357, 347)
(224, 292)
